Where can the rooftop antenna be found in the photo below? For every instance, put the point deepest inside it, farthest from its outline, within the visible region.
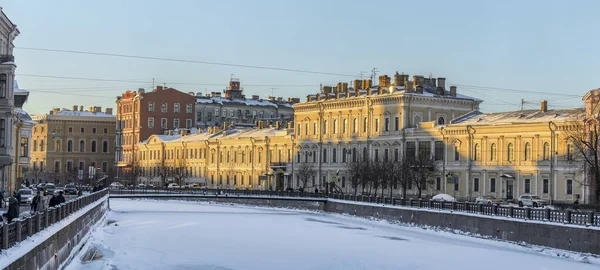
(152, 83)
(374, 74)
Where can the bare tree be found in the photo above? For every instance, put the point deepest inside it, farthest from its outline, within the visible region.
(180, 174)
(356, 171)
(305, 172)
(584, 135)
(424, 170)
(134, 172)
(38, 174)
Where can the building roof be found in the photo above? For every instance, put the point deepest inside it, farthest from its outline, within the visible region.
(518, 117)
(83, 113)
(243, 102)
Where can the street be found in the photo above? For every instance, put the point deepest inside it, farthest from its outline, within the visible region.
(26, 208)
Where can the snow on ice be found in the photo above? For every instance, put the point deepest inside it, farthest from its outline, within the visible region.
(148, 234)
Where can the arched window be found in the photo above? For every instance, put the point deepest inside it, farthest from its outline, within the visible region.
(510, 152)
(456, 152)
(476, 152)
(334, 126)
(324, 158)
(93, 146)
(569, 151)
(355, 125)
(344, 155)
(334, 155)
(42, 145)
(34, 146)
(69, 146)
(81, 146)
(493, 152)
(365, 124)
(441, 121)
(546, 151)
(105, 147)
(354, 154)
(57, 146)
(527, 152)
(24, 147)
(416, 120)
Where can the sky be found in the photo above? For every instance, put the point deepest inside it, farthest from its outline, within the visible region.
(484, 47)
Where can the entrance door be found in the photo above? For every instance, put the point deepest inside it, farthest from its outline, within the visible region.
(509, 190)
(279, 182)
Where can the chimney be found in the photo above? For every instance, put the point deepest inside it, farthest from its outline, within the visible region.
(398, 79)
(318, 97)
(453, 91)
(108, 111)
(384, 81)
(97, 109)
(308, 98)
(368, 83)
(189, 93)
(51, 112)
(337, 94)
(442, 83)
(141, 91)
(357, 84)
(159, 88)
(347, 93)
(56, 110)
(409, 87)
(368, 91)
(74, 108)
(544, 106)
(419, 89)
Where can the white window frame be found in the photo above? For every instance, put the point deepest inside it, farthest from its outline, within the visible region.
(175, 122)
(151, 106)
(188, 123)
(164, 107)
(188, 108)
(150, 122)
(165, 122)
(176, 107)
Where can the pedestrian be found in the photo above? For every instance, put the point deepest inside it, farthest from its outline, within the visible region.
(79, 193)
(17, 196)
(316, 190)
(13, 209)
(53, 201)
(61, 198)
(35, 202)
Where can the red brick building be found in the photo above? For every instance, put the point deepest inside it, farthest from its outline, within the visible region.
(141, 114)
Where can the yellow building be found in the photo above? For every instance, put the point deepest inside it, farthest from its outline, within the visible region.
(66, 143)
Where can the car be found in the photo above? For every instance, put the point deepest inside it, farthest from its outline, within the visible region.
(443, 198)
(70, 189)
(173, 185)
(141, 185)
(49, 189)
(531, 200)
(488, 199)
(193, 186)
(58, 190)
(26, 195)
(116, 185)
(41, 186)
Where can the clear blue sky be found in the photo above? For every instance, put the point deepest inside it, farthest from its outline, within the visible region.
(549, 46)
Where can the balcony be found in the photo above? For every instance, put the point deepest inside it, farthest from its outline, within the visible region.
(7, 58)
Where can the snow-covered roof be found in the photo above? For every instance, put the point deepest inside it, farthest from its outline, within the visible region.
(83, 113)
(246, 102)
(517, 117)
(428, 91)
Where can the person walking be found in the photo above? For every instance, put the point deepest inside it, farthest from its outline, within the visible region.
(17, 196)
(13, 209)
(53, 201)
(61, 197)
(35, 202)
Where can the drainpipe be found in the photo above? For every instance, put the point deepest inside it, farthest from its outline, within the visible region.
(553, 127)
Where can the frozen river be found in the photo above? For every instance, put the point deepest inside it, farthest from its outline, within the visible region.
(146, 234)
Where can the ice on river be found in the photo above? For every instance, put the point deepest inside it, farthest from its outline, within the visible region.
(148, 234)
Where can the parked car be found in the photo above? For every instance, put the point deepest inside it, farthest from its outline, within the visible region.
(58, 190)
(173, 185)
(488, 200)
(443, 198)
(49, 189)
(193, 186)
(26, 195)
(116, 185)
(70, 189)
(532, 200)
(41, 186)
(141, 185)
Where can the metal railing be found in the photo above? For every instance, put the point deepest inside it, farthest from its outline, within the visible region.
(588, 218)
(20, 229)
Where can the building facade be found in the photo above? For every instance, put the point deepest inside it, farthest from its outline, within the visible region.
(22, 131)
(141, 114)
(8, 113)
(66, 143)
(214, 110)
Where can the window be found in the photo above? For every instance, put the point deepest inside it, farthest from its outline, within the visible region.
(527, 185)
(476, 184)
(385, 155)
(377, 125)
(396, 155)
(492, 184)
(355, 125)
(365, 124)
(150, 122)
(345, 126)
(365, 156)
(176, 123)
(439, 150)
(344, 155)
(334, 155)
(387, 124)
(105, 147)
(34, 145)
(69, 146)
(343, 181)
(188, 108)
(324, 128)
(354, 154)
(510, 152)
(57, 166)
(441, 121)
(151, 106)
(188, 123)
(81, 146)
(163, 123)
(298, 157)
(217, 112)
(493, 152)
(315, 128)
(313, 180)
(324, 157)
(93, 146)
(94, 130)
(545, 184)
(2, 136)
(527, 152)
(70, 130)
(411, 150)
(438, 183)
(3, 86)
(81, 165)
(569, 186)
(314, 156)
(334, 126)
(24, 146)
(176, 107)
(396, 123)
(306, 129)
(476, 152)
(104, 166)
(456, 184)
(82, 130)
(376, 155)
(546, 151)
(569, 151)
(105, 130)
(305, 156)
(163, 107)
